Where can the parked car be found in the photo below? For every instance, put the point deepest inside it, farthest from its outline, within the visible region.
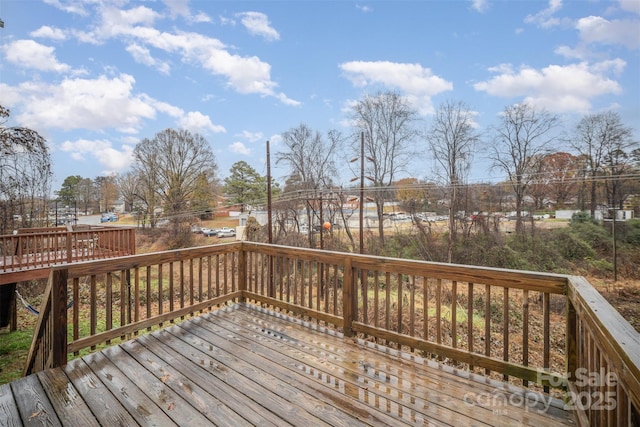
(109, 217)
(226, 232)
(209, 232)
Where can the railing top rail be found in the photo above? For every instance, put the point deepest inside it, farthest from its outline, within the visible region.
(101, 266)
(27, 233)
(531, 280)
(619, 340)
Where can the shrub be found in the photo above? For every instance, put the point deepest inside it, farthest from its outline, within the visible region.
(629, 232)
(582, 218)
(570, 246)
(594, 235)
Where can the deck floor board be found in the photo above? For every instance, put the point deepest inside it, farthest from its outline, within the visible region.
(245, 365)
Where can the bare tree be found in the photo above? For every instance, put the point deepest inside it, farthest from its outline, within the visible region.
(559, 172)
(597, 138)
(519, 143)
(310, 159)
(85, 194)
(170, 168)
(25, 173)
(128, 186)
(452, 139)
(107, 191)
(388, 123)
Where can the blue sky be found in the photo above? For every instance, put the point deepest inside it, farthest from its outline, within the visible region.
(95, 77)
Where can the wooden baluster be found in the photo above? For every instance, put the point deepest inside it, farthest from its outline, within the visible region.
(505, 328)
(487, 324)
(109, 304)
(454, 314)
(525, 331)
(439, 311)
(76, 310)
(470, 320)
(400, 292)
(546, 331)
(93, 308)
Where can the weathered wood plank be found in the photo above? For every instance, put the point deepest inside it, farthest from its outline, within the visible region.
(171, 403)
(246, 365)
(208, 405)
(106, 408)
(274, 395)
(139, 406)
(429, 374)
(9, 415)
(32, 402)
(321, 377)
(250, 409)
(70, 407)
(343, 360)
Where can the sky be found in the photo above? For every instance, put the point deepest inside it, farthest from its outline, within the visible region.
(96, 77)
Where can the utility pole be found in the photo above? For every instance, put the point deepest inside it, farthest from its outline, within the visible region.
(272, 289)
(361, 192)
(321, 223)
(615, 255)
(269, 195)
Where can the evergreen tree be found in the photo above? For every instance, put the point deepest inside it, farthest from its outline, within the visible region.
(245, 186)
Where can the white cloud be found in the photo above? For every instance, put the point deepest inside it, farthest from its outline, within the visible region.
(630, 6)
(572, 53)
(251, 136)
(480, 5)
(93, 104)
(76, 8)
(545, 18)
(178, 8)
(198, 122)
(112, 159)
(240, 148)
(557, 88)
(201, 17)
(258, 24)
(245, 74)
(365, 9)
(595, 29)
(142, 55)
(48, 32)
(419, 84)
(33, 55)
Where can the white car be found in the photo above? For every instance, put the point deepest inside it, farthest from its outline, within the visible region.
(226, 232)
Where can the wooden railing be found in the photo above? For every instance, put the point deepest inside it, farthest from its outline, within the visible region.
(603, 360)
(30, 250)
(543, 331)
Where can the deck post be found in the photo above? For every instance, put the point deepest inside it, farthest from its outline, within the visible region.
(347, 298)
(59, 317)
(69, 241)
(242, 270)
(571, 349)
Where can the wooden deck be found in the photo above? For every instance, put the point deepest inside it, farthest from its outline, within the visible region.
(244, 365)
(29, 254)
